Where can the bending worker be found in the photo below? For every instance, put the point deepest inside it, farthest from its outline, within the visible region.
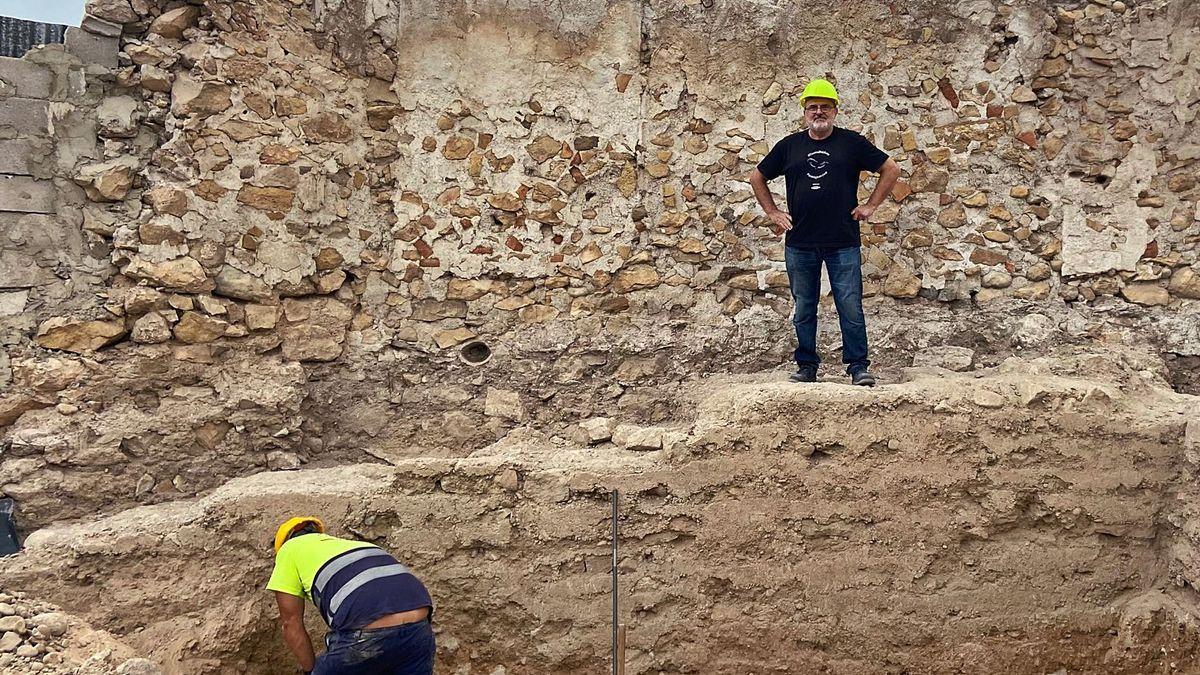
(378, 612)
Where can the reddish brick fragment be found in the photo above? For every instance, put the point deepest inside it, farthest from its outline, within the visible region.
(948, 91)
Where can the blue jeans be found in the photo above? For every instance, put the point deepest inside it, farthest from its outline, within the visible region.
(407, 649)
(845, 276)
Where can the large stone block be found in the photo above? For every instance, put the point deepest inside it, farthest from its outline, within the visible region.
(91, 48)
(190, 97)
(98, 26)
(1094, 245)
(108, 181)
(234, 283)
(184, 274)
(25, 116)
(15, 155)
(28, 79)
(78, 336)
(13, 303)
(20, 270)
(115, 11)
(171, 24)
(45, 235)
(32, 245)
(26, 195)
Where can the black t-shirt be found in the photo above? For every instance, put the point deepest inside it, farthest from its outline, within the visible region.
(822, 184)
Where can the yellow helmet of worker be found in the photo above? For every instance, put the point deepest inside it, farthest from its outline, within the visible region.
(818, 89)
(285, 530)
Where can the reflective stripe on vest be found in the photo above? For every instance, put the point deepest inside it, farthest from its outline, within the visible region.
(360, 579)
(341, 562)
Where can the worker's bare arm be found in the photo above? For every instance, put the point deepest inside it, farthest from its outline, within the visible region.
(291, 619)
(888, 173)
(766, 200)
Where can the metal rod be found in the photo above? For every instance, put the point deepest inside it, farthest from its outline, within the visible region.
(615, 669)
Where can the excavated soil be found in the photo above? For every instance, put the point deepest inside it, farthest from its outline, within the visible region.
(1031, 518)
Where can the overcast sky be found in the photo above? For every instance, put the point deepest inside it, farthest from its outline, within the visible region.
(67, 12)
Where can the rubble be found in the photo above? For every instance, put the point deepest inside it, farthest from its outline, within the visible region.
(37, 638)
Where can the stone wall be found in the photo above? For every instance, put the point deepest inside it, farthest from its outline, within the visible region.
(53, 261)
(270, 230)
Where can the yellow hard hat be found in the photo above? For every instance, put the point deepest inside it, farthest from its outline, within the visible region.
(819, 89)
(285, 530)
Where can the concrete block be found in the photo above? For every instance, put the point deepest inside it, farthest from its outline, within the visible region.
(27, 79)
(90, 48)
(15, 156)
(26, 195)
(25, 116)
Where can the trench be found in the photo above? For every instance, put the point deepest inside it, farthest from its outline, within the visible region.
(854, 530)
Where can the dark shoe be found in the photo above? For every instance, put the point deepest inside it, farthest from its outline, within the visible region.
(804, 374)
(862, 378)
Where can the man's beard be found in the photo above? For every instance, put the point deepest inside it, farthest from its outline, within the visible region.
(819, 123)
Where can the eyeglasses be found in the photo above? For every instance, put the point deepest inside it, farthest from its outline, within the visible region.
(820, 107)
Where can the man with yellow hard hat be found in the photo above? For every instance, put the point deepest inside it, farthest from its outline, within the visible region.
(378, 613)
(820, 165)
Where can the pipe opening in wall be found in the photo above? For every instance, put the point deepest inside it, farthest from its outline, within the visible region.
(475, 353)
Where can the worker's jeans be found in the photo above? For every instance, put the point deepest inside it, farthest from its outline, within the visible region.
(845, 277)
(407, 649)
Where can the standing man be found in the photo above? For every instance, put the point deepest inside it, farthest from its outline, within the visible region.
(377, 611)
(821, 166)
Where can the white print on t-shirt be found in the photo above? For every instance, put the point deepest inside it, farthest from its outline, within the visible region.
(820, 164)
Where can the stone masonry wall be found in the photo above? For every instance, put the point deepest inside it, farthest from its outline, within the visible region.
(53, 261)
(259, 233)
